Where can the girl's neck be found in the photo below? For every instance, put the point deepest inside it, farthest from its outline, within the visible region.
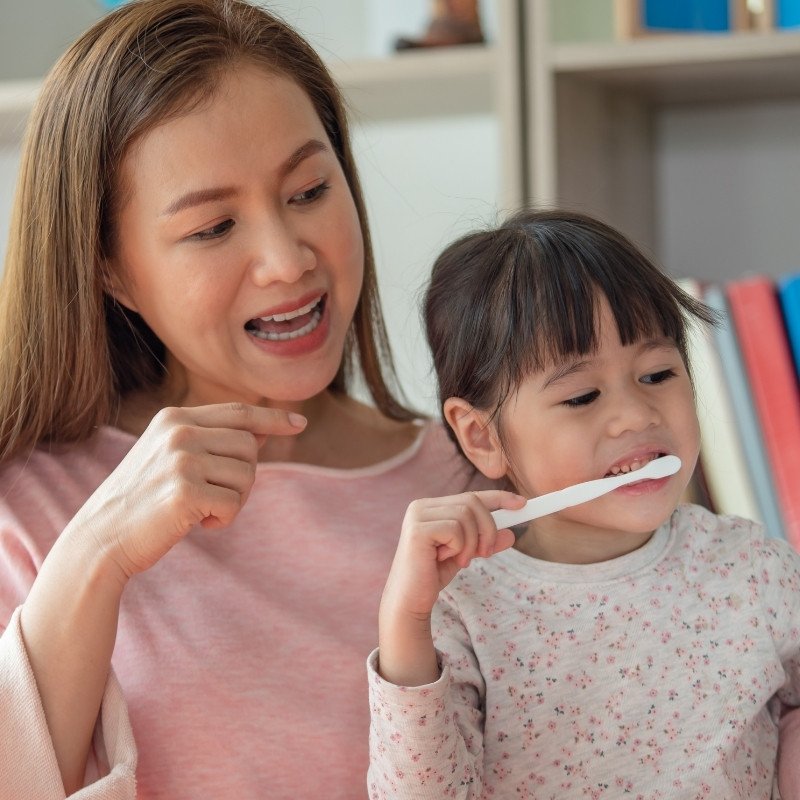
(584, 547)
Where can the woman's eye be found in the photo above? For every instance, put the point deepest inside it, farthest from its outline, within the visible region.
(582, 400)
(659, 377)
(214, 232)
(310, 195)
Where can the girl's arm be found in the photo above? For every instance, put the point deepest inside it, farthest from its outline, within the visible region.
(426, 742)
(193, 465)
(419, 746)
(439, 537)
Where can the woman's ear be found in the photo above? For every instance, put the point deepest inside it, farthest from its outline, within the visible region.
(115, 285)
(477, 437)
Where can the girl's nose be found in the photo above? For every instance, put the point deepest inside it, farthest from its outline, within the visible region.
(632, 413)
(280, 254)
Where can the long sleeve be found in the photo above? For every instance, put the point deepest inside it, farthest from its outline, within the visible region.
(780, 592)
(788, 761)
(28, 767)
(426, 742)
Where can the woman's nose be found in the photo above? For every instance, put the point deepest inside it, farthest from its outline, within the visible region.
(280, 254)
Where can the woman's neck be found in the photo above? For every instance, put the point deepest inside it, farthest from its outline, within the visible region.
(341, 433)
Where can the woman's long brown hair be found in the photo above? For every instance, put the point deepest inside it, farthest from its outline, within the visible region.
(68, 353)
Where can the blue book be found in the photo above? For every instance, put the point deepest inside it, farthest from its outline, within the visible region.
(787, 13)
(744, 409)
(789, 294)
(685, 15)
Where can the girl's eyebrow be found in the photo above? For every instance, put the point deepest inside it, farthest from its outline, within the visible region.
(565, 370)
(572, 367)
(217, 193)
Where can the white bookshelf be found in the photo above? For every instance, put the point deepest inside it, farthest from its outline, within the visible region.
(602, 117)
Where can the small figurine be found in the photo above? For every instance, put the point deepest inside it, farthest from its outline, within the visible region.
(452, 22)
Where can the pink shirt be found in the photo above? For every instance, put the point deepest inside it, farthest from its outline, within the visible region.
(238, 667)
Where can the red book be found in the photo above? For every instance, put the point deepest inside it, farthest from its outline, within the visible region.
(757, 318)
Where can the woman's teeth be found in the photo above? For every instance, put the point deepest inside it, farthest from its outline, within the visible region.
(287, 326)
(291, 314)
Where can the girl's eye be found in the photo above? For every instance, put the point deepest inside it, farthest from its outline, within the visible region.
(582, 400)
(310, 195)
(659, 377)
(214, 232)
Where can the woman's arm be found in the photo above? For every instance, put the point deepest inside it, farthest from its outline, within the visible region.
(191, 466)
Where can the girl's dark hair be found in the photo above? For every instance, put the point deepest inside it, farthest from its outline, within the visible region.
(505, 302)
(68, 352)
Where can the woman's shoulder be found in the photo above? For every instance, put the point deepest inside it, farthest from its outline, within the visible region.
(61, 474)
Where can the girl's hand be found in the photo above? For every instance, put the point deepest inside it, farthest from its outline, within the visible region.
(439, 537)
(190, 466)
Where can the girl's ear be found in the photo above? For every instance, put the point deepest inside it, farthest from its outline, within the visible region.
(477, 437)
(115, 285)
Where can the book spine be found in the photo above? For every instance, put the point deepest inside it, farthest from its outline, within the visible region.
(759, 328)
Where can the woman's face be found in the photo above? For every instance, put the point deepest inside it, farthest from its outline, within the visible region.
(239, 244)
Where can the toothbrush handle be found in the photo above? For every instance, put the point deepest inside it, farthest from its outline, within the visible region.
(555, 501)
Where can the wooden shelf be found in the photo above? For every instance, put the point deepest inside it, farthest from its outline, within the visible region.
(680, 68)
(458, 80)
(419, 83)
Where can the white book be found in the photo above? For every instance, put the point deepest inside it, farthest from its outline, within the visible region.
(721, 454)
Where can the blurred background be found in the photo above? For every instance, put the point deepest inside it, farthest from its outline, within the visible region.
(680, 128)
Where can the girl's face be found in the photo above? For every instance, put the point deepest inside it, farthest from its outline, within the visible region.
(239, 244)
(610, 411)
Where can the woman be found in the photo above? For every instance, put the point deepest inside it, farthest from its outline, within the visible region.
(186, 587)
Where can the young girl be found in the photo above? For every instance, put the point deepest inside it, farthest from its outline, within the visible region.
(629, 646)
(186, 588)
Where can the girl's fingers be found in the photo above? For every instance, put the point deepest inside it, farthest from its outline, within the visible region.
(505, 538)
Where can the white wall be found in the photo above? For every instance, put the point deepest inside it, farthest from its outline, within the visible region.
(748, 155)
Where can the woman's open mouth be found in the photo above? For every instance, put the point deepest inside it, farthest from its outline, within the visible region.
(288, 326)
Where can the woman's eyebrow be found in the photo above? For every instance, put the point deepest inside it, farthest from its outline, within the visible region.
(311, 147)
(198, 198)
(214, 194)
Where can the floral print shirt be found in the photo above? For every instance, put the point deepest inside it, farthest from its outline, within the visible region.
(659, 674)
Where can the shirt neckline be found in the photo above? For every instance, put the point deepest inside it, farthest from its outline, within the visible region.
(601, 572)
(380, 467)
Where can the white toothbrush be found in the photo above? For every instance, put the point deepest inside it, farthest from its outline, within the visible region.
(582, 492)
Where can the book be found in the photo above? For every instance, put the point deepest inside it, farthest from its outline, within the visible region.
(699, 15)
(722, 459)
(789, 293)
(758, 323)
(744, 411)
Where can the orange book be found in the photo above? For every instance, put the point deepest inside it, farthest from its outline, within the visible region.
(764, 346)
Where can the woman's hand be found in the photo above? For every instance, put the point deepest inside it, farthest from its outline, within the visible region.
(190, 466)
(439, 537)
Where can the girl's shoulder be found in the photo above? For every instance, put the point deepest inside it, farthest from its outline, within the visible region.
(704, 536)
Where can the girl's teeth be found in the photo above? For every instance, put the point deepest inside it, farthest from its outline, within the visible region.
(625, 468)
